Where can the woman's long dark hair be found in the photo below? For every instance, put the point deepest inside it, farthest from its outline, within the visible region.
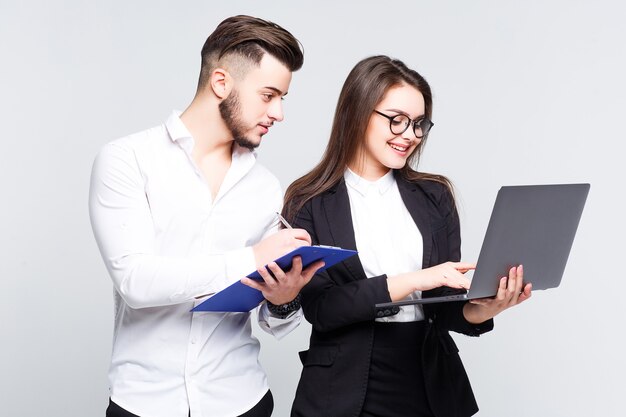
(365, 87)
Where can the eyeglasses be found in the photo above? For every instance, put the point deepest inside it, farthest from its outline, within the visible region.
(399, 123)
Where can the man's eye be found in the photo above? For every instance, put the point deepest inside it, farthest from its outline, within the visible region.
(267, 97)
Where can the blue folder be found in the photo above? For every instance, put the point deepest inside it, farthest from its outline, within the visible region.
(239, 297)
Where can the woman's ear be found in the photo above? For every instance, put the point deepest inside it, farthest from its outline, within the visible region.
(221, 83)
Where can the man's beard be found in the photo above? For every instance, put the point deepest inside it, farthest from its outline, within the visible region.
(230, 109)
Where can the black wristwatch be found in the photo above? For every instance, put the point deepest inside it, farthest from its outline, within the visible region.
(284, 310)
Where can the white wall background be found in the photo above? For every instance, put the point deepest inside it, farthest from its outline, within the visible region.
(525, 92)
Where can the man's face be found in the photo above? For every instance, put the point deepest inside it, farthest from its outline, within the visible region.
(255, 102)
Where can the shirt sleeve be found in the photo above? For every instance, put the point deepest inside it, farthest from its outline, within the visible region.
(124, 231)
(276, 326)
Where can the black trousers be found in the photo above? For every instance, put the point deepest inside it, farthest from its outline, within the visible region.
(263, 408)
(396, 386)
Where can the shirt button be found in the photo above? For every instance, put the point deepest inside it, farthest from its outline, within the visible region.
(193, 341)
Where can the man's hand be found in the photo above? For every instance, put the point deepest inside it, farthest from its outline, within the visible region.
(283, 287)
(279, 244)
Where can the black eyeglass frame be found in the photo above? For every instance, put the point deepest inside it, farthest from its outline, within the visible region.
(417, 124)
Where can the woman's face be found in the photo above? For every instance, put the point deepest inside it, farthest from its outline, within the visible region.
(383, 150)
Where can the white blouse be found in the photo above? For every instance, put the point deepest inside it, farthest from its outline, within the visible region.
(387, 238)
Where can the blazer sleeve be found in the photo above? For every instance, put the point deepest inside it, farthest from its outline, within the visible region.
(449, 316)
(333, 298)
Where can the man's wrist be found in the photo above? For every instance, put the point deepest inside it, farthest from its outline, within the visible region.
(284, 310)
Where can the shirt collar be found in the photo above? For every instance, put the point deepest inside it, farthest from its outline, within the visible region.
(179, 132)
(363, 186)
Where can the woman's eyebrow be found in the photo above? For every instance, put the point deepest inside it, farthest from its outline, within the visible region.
(405, 113)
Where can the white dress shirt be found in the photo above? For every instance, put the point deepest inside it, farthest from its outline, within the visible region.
(387, 238)
(165, 241)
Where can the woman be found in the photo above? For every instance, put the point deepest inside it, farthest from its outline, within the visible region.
(365, 195)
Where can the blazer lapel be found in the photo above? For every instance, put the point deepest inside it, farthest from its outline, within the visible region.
(417, 204)
(336, 206)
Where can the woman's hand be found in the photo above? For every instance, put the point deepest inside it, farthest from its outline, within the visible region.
(510, 293)
(449, 274)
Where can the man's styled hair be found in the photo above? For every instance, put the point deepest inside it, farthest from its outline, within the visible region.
(241, 41)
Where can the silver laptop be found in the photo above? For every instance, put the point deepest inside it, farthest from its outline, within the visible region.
(531, 225)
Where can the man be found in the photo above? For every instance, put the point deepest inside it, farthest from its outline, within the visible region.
(183, 210)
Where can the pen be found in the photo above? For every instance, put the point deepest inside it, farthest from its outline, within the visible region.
(283, 221)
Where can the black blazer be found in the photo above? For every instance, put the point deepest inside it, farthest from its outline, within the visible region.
(339, 303)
